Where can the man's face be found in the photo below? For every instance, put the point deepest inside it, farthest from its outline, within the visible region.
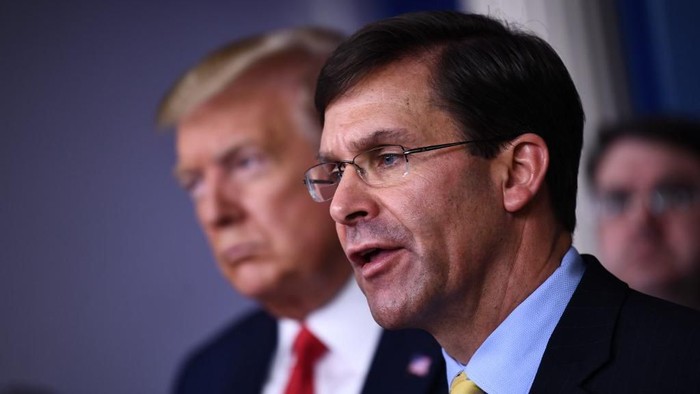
(420, 246)
(241, 157)
(651, 251)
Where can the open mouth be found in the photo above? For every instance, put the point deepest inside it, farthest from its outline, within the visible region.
(368, 255)
(371, 255)
(372, 262)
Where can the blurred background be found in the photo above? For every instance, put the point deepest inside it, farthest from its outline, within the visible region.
(105, 278)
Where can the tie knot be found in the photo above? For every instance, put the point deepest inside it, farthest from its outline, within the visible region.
(462, 385)
(307, 347)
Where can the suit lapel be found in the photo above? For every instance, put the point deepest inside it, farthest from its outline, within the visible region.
(406, 361)
(582, 339)
(253, 357)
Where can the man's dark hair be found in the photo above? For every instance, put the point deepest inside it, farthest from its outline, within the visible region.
(495, 81)
(680, 132)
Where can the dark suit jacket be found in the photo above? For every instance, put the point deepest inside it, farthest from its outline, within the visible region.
(238, 360)
(612, 339)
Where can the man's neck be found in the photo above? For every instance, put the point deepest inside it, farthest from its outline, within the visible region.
(298, 304)
(529, 265)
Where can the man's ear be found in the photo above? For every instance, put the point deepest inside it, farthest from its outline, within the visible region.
(527, 160)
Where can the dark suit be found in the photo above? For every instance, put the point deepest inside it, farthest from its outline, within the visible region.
(237, 361)
(612, 339)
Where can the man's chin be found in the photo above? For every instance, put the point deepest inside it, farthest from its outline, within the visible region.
(256, 293)
(252, 284)
(389, 317)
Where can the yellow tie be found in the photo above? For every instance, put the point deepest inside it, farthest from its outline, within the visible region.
(462, 385)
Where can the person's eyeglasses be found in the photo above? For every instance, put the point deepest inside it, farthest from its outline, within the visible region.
(661, 199)
(383, 165)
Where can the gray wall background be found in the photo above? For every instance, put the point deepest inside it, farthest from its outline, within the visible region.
(105, 279)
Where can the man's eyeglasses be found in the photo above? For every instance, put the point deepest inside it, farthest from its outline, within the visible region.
(383, 165)
(662, 199)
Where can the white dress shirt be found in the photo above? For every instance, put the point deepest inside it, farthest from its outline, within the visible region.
(351, 335)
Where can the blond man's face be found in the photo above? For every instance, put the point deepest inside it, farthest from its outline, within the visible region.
(241, 157)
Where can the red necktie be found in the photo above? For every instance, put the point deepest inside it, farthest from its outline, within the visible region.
(308, 349)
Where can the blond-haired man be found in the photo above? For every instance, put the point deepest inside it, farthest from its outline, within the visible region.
(246, 132)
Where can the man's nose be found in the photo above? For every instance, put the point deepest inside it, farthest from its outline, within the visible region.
(643, 217)
(351, 201)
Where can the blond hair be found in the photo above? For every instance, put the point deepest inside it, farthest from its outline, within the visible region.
(218, 70)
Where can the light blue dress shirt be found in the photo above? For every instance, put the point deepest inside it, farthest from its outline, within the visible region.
(507, 361)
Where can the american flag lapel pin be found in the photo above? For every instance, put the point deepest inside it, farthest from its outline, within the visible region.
(419, 365)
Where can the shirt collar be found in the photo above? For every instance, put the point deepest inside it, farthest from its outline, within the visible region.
(330, 324)
(508, 360)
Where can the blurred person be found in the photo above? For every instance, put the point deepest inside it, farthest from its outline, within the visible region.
(645, 177)
(245, 132)
(450, 154)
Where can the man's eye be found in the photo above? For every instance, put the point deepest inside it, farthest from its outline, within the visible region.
(247, 161)
(246, 165)
(384, 157)
(388, 159)
(613, 202)
(193, 185)
(674, 196)
(335, 174)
